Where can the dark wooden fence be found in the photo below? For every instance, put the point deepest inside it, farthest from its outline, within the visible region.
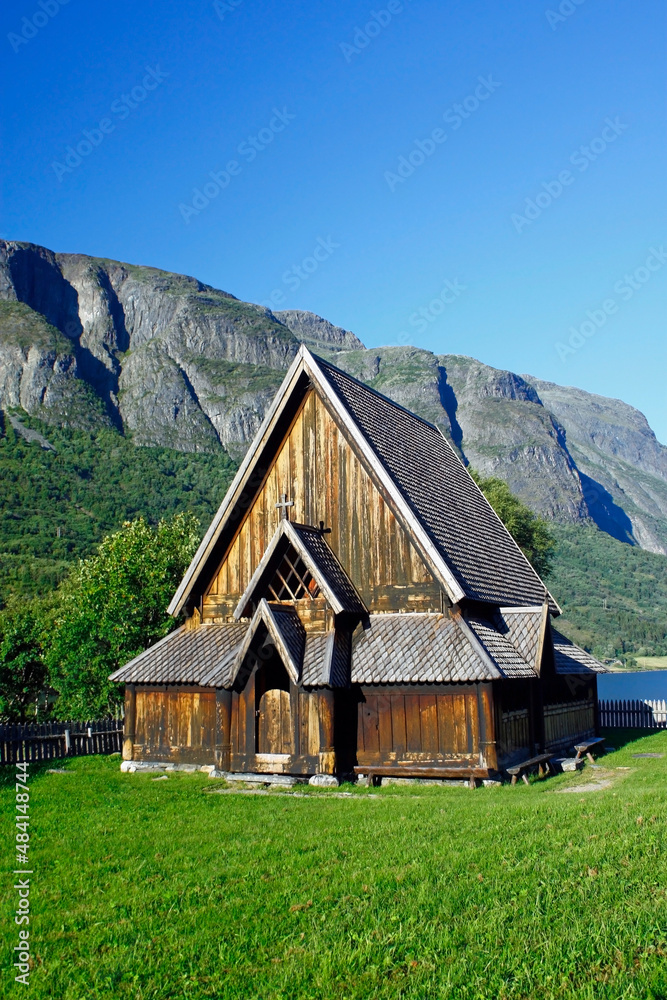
(633, 714)
(50, 740)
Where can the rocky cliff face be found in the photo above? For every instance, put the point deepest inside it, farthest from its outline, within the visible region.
(175, 362)
(623, 467)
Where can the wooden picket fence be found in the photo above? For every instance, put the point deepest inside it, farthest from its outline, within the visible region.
(633, 714)
(50, 740)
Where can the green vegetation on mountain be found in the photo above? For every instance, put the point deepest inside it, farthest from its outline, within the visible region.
(23, 327)
(613, 595)
(56, 506)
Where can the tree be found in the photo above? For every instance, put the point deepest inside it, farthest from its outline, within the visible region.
(112, 607)
(22, 668)
(530, 532)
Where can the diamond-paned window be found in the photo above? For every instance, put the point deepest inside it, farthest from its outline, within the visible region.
(292, 580)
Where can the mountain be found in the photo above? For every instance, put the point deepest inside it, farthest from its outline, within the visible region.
(167, 361)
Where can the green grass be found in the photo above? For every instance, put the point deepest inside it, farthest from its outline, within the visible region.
(652, 662)
(158, 890)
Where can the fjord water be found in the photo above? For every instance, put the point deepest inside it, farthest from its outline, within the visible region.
(637, 684)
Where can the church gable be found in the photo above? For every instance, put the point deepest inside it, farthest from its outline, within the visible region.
(299, 566)
(317, 469)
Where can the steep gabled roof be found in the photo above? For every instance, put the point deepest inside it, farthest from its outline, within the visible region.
(471, 538)
(286, 633)
(318, 558)
(458, 534)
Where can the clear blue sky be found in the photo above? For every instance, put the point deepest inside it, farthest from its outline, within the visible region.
(351, 103)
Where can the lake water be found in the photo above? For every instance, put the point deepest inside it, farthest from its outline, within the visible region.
(639, 684)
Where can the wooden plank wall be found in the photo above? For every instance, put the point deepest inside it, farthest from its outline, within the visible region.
(514, 734)
(175, 723)
(416, 724)
(568, 721)
(319, 471)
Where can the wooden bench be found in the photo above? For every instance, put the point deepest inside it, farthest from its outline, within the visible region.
(587, 746)
(470, 774)
(519, 770)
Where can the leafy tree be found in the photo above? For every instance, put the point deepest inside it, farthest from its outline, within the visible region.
(22, 669)
(531, 533)
(113, 606)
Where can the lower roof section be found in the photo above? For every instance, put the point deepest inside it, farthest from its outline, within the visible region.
(186, 656)
(571, 659)
(409, 648)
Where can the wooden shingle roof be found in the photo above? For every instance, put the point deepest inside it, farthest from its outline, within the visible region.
(571, 659)
(469, 535)
(416, 649)
(525, 628)
(326, 659)
(505, 656)
(412, 648)
(186, 656)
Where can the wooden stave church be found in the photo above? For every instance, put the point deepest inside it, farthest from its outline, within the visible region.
(382, 616)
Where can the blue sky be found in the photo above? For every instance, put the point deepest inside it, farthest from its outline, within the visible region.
(470, 177)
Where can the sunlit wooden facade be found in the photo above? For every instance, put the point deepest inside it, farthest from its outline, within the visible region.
(356, 602)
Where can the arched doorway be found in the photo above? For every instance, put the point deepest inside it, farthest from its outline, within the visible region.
(274, 728)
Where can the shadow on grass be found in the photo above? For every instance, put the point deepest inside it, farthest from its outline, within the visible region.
(619, 738)
(38, 768)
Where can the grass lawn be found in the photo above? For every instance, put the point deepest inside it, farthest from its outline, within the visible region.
(161, 890)
(652, 662)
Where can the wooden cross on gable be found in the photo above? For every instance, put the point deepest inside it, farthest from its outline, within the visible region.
(284, 504)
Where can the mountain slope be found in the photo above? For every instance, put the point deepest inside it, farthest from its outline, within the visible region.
(622, 465)
(167, 361)
(63, 489)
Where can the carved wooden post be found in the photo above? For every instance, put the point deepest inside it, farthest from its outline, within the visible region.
(223, 729)
(130, 720)
(327, 754)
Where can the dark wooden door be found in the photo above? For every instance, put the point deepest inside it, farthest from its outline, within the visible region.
(274, 722)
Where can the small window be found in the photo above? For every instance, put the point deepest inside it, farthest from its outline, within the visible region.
(292, 580)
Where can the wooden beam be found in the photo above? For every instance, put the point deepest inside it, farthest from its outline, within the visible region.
(406, 771)
(223, 729)
(487, 725)
(130, 720)
(327, 753)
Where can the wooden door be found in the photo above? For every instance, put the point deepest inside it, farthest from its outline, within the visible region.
(274, 722)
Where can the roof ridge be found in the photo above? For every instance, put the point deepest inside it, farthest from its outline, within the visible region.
(474, 641)
(306, 527)
(375, 392)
